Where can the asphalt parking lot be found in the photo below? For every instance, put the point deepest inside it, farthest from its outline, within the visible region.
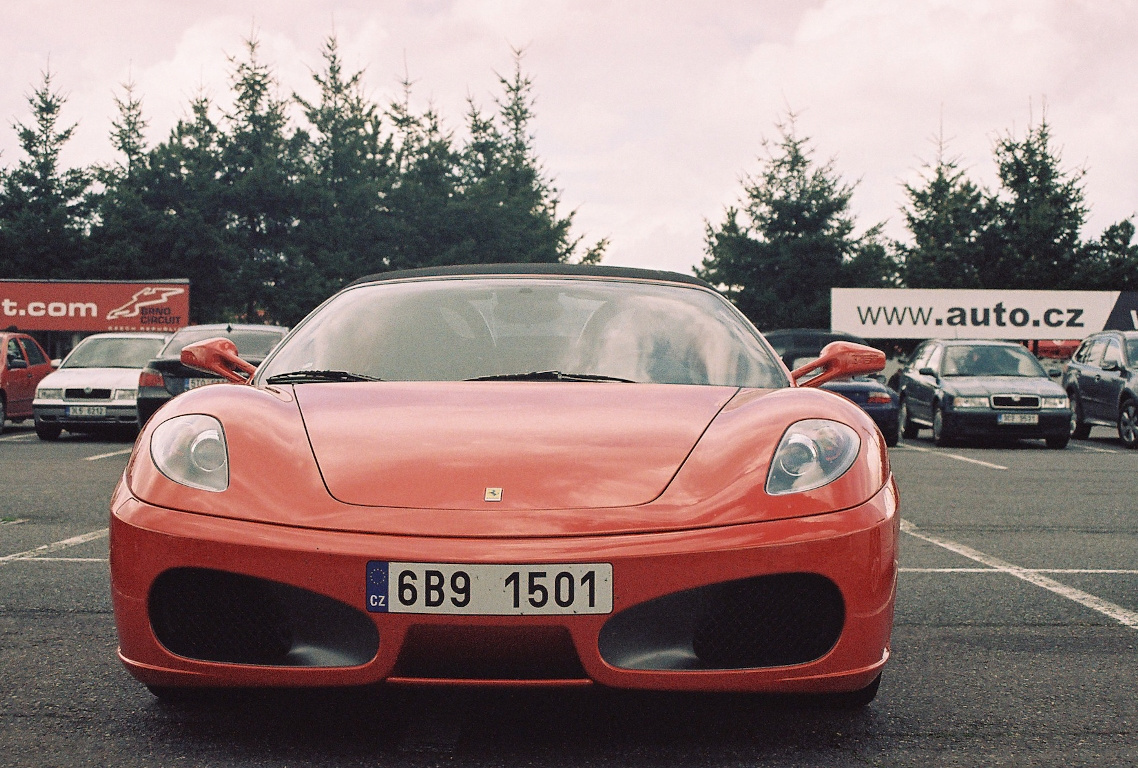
(1014, 644)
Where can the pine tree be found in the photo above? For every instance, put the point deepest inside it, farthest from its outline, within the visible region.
(348, 176)
(1039, 212)
(778, 256)
(44, 209)
(947, 217)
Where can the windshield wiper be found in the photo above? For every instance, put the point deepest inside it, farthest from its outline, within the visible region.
(550, 376)
(303, 377)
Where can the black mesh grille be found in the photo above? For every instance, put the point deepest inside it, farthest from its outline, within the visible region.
(217, 616)
(768, 621)
(1015, 401)
(82, 394)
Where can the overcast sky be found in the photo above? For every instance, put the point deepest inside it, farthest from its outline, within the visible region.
(648, 113)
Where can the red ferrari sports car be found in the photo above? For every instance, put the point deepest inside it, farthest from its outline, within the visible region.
(516, 475)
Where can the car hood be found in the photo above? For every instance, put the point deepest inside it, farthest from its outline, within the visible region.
(464, 445)
(993, 385)
(96, 378)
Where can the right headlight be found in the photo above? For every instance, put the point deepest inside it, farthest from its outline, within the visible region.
(49, 393)
(191, 451)
(812, 453)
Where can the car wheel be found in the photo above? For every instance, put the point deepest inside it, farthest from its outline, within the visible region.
(3, 414)
(48, 431)
(1080, 429)
(893, 435)
(1058, 441)
(941, 435)
(909, 430)
(1128, 424)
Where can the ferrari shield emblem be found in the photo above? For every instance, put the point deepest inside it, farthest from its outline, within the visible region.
(493, 494)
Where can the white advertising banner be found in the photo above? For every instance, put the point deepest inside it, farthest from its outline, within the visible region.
(915, 313)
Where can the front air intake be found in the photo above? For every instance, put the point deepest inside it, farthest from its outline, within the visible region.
(219, 616)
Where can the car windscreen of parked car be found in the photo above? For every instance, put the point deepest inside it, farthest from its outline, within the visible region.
(461, 329)
(98, 352)
(990, 361)
(250, 343)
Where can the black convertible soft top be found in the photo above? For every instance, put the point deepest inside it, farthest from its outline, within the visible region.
(578, 270)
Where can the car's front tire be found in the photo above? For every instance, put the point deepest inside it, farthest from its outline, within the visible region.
(1058, 442)
(908, 429)
(1080, 429)
(1128, 424)
(941, 434)
(47, 431)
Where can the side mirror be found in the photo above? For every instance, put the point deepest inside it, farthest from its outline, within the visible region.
(840, 359)
(927, 372)
(218, 356)
(56, 362)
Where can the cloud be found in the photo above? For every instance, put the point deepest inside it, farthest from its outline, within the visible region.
(648, 113)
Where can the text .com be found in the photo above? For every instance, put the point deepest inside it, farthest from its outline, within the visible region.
(12, 308)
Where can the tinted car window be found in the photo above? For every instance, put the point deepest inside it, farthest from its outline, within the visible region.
(1112, 354)
(1094, 354)
(990, 360)
(250, 343)
(1132, 351)
(14, 352)
(474, 328)
(32, 350)
(96, 352)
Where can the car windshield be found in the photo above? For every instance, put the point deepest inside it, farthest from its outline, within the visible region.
(253, 343)
(547, 328)
(990, 360)
(96, 352)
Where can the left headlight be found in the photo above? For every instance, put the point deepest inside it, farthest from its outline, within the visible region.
(812, 453)
(191, 451)
(970, 402)
(1055, 402)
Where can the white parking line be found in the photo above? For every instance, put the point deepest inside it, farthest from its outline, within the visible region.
(988, 464)
(68, 560)
(55, 546)
(1095, 450)
(1116, 612)
(108, 455)
(15, 438)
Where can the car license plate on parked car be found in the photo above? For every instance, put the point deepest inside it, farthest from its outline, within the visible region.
(196, 382)
(86, 410)
(1018, 418)
(489, 590)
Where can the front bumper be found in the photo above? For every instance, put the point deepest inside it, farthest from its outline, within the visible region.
(659, 580)
(985, 423)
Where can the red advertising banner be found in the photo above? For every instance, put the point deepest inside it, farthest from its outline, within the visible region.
(96, 305)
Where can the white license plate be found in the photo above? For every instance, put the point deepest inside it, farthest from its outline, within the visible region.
(86, 410)
(195, 383)
(1018, 418)
(489, 590)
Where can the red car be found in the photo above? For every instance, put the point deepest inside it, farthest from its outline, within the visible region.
(525, 475)
(23, 366)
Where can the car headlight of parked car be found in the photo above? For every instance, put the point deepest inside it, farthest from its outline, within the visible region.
(49, 393)
(970, 402)
(1055, 402)
(191, 451)
(126, 394)
(811, 454)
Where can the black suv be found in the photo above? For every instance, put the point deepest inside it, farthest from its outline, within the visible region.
(1102, 385)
